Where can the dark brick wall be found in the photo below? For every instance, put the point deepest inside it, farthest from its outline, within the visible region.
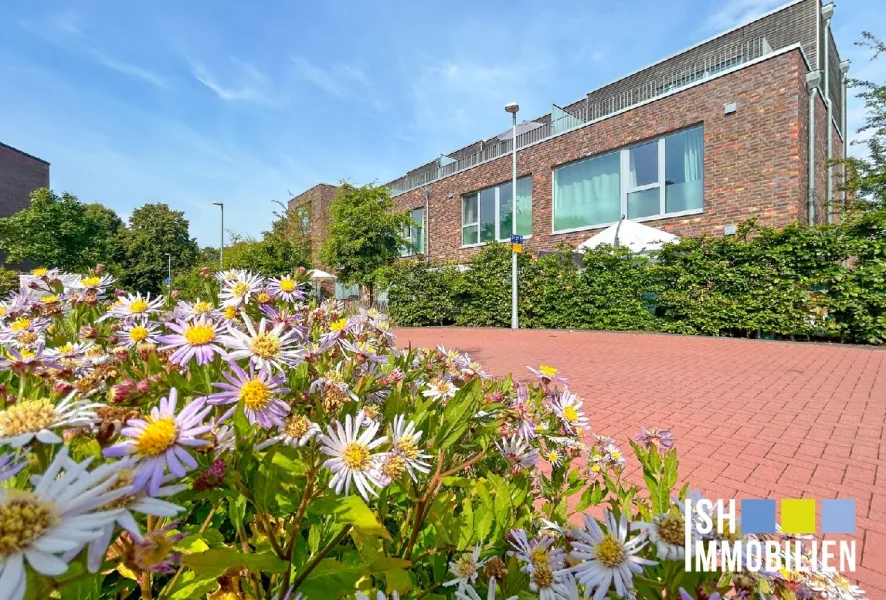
(20, 174)
(319, 198)
(754, 158)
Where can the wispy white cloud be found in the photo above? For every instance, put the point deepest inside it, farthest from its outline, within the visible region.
(733, 13)
(132, 70)
(341, 80)
(250, 84)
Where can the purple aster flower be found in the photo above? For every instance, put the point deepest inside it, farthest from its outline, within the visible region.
(195, 338)
(548, 374)
(655, 437)
(161, 441)
(10, 465)
(153, 553)
(258, 391)
(286, 288)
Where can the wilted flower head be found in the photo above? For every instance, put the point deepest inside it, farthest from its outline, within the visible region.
(655, 437)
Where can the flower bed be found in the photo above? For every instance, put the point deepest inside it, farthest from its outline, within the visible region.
(258, 446)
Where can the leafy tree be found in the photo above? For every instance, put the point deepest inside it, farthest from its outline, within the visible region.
(866, 178)
(153, 231)
(59, 231)
(364, 234)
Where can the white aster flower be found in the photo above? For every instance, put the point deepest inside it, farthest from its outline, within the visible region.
(608, 557)
(567, 408)
(296, 431)
(132, 307)
(91, 284)
(29, 419)
(352, 458)
(668, 532)
(469, 593)
(404, 444)
(264, 346)
(57, 516)
(465, 569)
(186, 311)
(137, 331)
(238, 291)
(517, 452)
(440, 389)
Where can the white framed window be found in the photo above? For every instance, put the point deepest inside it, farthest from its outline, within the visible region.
(654, 179)
(487, 215)
(415, 234)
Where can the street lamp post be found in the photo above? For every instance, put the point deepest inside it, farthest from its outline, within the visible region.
(512, 108)
(221, 248)
(169, 269)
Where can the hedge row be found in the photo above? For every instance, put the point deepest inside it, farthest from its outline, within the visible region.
(824, 282)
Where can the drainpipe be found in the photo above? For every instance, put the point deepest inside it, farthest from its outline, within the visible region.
(827, 12)
(844, 69)
(813, 80)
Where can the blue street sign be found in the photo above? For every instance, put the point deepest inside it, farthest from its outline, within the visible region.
(516, 239)
(168, 280)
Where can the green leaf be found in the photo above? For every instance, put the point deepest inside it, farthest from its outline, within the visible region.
(331, 579)
(193, 586)
(217, 561)
(351, 510)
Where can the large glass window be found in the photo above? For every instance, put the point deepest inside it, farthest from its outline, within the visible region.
(587, 193)
(650, 180)
(487, 215)
(684, 170)
(415, 234)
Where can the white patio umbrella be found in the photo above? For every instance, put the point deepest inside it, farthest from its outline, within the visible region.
(320, 275)
(636, 237)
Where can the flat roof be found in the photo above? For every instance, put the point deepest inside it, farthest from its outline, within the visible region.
(23, 153)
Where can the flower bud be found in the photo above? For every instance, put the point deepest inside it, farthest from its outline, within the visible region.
(117, 394)
(143, 386)
(495, 567)
(61, 387)
(175, 294)
(145, 349)
(100, 268)
(88, 332)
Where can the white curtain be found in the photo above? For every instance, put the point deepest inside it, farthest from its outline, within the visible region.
(587, 193)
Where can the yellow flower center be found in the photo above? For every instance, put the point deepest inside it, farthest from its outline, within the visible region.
(66, 348)
(548, 371)
(138, 306)
(287, 285)
(610, 552)
(20, 324)
(27, 353)
(615, 454)
(539, 557)
(255, 394)
(407, 447)
(90, 282)
(297, 426)
(26, 338)
(465, 566)
(570, 414)
(393, 467)
(672, 529)
(139, 333)
(230, 312)
(197, 335)
(154, 551)
(263, 297)
(266, 346)
(339, 325)
(553, 456)
(356, 457)
(240, 289)
(49, 299)
(370, 411)
(2, 311)
(543, 576)
(94, 352)
(124, 479)
(23, 519)
(202, 307)
(40, 271)
(28, 416)
(157, 437)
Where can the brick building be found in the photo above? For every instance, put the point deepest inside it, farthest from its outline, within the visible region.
(694, 144)
(20, 174)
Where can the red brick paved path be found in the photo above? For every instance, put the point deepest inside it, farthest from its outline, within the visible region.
(752, 419)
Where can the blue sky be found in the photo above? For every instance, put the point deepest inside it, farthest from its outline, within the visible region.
(189, 103)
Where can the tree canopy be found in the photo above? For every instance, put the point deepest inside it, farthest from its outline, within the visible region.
(364, 234)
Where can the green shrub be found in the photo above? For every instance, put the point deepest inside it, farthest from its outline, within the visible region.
(8, 281)
(419, 295)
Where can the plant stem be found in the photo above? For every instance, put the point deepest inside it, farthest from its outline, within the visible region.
(168, 589)
(320, 556)
(295, 527)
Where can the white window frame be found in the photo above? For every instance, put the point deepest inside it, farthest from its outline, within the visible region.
(410, 230)
(498, 236)
(625, 188)
(475, 224)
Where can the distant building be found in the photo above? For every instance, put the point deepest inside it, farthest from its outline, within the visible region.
(20, 174)
(736, 127)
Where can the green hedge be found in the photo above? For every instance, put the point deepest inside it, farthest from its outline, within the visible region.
(824, 282)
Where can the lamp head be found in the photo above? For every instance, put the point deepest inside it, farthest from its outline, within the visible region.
(813, 79)
(844, 66)
(218, 203)
(827, 11)
(512, 107)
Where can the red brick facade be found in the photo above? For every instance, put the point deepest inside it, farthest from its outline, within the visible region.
(20, 174)
(316, 202)
(754, 160)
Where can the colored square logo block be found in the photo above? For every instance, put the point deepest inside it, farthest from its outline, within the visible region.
(838, 516)
(798, 516)
(757, 516)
